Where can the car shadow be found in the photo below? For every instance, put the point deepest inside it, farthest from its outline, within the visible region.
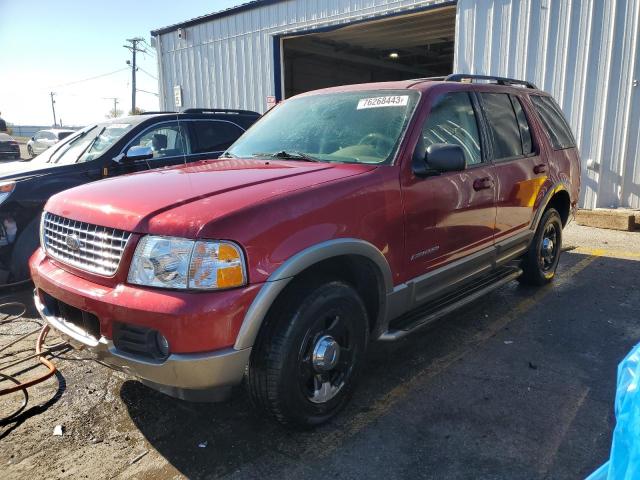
(234, 438)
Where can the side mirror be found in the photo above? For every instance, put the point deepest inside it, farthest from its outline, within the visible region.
(440, 158)
(138, 153)
(33, 138)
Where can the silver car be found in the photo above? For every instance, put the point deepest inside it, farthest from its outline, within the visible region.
(45, 139)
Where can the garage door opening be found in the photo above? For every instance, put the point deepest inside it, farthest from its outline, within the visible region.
(402, 47)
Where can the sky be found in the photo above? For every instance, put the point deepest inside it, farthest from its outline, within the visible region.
(52, 45)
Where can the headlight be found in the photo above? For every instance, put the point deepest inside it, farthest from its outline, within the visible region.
(5, 190)
(171, 262)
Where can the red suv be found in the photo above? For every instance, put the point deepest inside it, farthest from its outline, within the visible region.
(345, 215)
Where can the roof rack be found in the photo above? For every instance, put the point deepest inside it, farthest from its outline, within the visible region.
(154, 113)
(459, 77)
(218, 110)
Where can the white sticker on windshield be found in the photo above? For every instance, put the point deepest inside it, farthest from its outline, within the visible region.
(387, 101)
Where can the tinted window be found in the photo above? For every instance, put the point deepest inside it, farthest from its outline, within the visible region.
(453, 120)
(552, 118)
(503, 125)
(523, 123)
(62, 135)
(214, 136)
(166, 140)
(359, 126)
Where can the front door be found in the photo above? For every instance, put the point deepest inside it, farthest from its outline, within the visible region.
(450, 218)
(169, 143)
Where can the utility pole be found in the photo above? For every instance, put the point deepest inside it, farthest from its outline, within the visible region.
(115, 105)
(53, 108)
(133, 47)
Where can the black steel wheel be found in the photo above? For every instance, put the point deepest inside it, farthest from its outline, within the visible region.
(541, 260)
(308, 355)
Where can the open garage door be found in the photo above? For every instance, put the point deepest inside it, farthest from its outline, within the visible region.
(395, 48)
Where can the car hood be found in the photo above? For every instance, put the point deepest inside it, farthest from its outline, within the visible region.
(180, 200)
(25, 170)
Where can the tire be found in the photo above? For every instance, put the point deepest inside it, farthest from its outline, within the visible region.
(30, 151)
(541, 260)
(285, 378)
(25, 244)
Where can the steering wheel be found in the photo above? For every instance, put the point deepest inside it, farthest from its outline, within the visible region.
(381, 143)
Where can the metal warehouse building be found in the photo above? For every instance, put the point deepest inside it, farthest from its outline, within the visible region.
(584, 52)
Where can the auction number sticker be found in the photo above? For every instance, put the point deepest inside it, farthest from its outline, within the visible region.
(387, 101)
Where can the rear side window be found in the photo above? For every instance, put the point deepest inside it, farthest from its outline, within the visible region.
(557, 127)
(214, 136)
(503, 125)
(62, 135)
(453, 120)
(525, 130)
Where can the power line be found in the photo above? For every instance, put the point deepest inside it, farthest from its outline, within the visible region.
(144, 71)
(150, 93)
(91, 78)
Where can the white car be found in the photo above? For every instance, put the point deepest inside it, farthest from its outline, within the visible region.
(45, 139)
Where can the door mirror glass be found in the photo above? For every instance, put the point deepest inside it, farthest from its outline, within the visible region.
(138, 152)
(445, 157)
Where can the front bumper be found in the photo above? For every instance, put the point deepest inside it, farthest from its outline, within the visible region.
(196, 376)
(201, 329)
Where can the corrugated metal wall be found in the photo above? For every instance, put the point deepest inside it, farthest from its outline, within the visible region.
(585, 53)
(228, 61)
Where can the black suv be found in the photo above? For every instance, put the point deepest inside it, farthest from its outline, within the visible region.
(115, 147)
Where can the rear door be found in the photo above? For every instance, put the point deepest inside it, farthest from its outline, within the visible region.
(450, 218)
(210, 138)
(519, 167)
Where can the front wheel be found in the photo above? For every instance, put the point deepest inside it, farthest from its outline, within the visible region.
(309, 353)
(541, 260)
(30, 151)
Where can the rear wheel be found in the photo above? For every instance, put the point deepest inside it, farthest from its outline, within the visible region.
(308, 356)
(541, 260)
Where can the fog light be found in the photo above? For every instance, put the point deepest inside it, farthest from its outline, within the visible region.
(163, 344)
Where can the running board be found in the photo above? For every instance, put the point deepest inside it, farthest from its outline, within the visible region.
(467, 293)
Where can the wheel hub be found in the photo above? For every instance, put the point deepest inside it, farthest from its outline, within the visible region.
(326, 353)
(547, 247)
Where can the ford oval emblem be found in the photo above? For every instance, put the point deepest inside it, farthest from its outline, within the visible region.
(73, 242)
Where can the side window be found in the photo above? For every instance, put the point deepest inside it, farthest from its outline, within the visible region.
(214, 136)
(503, 125)
(453, 120)
(166, 140)
(554, 122)
(523, 123)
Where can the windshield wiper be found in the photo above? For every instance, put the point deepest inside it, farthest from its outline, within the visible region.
(288, 156)
(68, 145)
(227, 155)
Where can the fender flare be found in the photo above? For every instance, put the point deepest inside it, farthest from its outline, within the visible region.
(299, 262)
(557, 187)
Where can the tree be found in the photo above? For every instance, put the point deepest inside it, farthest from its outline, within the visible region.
(138, 111)
(114, 113)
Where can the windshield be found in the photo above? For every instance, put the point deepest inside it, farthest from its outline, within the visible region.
(90, 143)
(362, 127)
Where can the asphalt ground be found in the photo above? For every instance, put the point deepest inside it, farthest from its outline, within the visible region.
(518, 385)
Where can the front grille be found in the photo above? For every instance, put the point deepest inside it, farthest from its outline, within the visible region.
(88, 247)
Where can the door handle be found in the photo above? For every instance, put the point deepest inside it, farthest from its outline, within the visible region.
(541, 168)
(482, 183)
